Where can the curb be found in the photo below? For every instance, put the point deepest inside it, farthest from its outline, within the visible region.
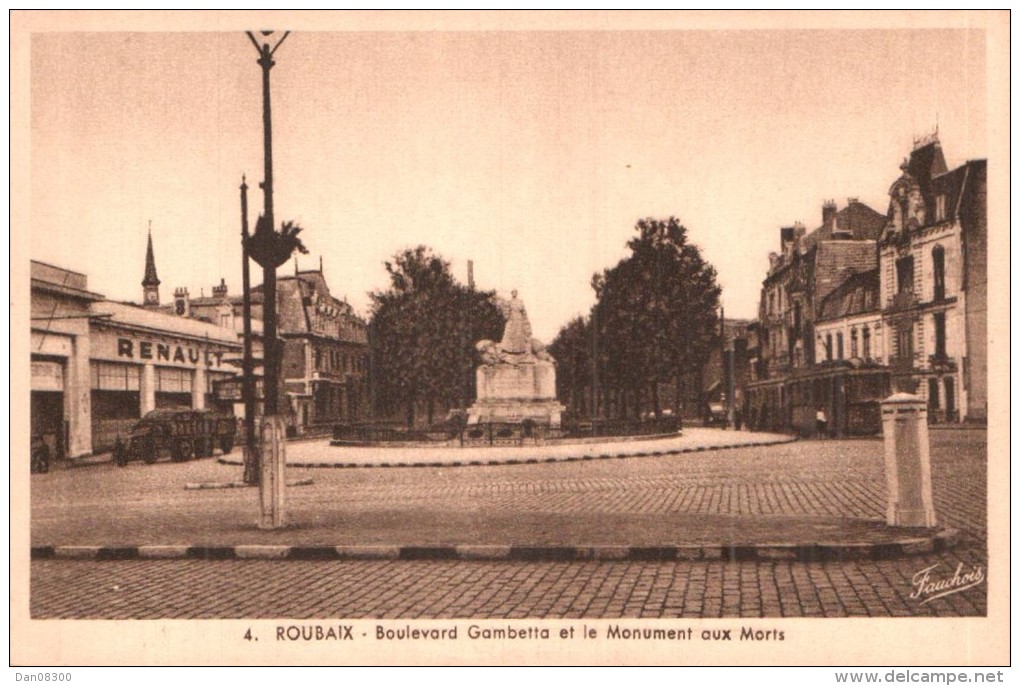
(467, 462)
(766, 552)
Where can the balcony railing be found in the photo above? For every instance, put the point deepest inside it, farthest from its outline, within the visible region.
(902, 301)
(901, 364)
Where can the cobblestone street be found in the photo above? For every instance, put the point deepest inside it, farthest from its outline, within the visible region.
(835, 479)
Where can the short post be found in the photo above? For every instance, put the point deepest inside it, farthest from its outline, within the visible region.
(907, 461)
(272, 472)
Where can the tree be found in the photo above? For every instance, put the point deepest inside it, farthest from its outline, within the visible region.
(654, 319)
(572, 350)
(423, 330)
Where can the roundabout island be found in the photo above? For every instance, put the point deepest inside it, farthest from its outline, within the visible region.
(696, 439)
(516, 419)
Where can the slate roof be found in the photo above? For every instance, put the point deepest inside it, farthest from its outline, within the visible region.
(150, 266)
(835, 261)
(924, 164)
(124, 314)
(958, 184)
(856, 296)
(857, 219)
(295, 297)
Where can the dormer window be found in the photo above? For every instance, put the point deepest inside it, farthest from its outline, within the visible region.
(940, 207)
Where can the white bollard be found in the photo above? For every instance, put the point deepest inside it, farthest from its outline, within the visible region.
(273, 478)
(907, 461)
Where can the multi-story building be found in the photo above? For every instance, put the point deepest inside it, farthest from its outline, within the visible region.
(808, 268)
(849, 323)
(933, 258)
(325, 356)
(325, 346)
(867, 305)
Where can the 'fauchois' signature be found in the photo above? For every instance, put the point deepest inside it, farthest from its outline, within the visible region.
(928, 589)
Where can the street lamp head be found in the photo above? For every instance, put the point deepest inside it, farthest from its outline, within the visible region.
(266, 47)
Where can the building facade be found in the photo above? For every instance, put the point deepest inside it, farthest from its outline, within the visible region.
(325, 353)
(869, 304)
(143, 359)
(808, 268)
(98, 365)
(325, 347)
(61, 403)
(849, 324)
(933, 267)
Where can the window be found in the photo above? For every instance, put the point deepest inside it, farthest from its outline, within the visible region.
(839, 345)
(108, 376)
(938, 259)
(933, 394)
(173, 380)
(828, 346)
(866, 342)
(905, 275)
(940, 207)
(940, 334)
(853, 342)
(225, 320)
(905, 343)
(950, 396)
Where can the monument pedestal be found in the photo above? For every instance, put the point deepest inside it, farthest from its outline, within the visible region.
(508, 392)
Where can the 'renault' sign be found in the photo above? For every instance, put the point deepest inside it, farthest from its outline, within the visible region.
(159, 352)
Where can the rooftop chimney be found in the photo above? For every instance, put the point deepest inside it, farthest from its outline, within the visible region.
(182, 303)
(828, 212)
(221, 290)
(785, 237)
(471, 274)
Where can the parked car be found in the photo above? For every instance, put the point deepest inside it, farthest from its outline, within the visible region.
(40, 455)
(716, 415)
(179, 434)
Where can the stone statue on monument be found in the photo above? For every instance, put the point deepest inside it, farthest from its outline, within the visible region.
(516, 378)
(517, 333)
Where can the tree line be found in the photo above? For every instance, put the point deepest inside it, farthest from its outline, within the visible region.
(653, 325)
(654, 322)
(422, 335)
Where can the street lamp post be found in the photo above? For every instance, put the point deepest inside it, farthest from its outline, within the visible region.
(271, 381)
(251, 449)
(270, 249)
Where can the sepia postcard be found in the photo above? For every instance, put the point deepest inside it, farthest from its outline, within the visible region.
(509, 338)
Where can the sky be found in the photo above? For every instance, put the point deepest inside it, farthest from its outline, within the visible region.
(531, 153)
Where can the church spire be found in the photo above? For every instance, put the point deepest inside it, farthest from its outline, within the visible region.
(150, 284)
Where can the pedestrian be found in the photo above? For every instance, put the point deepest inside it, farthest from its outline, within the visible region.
(738, 418)
(821, 422)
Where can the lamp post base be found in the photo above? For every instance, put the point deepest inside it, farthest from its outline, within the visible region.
(273, 480)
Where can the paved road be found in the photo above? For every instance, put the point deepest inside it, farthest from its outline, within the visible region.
(450, 589)
(821, 478)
